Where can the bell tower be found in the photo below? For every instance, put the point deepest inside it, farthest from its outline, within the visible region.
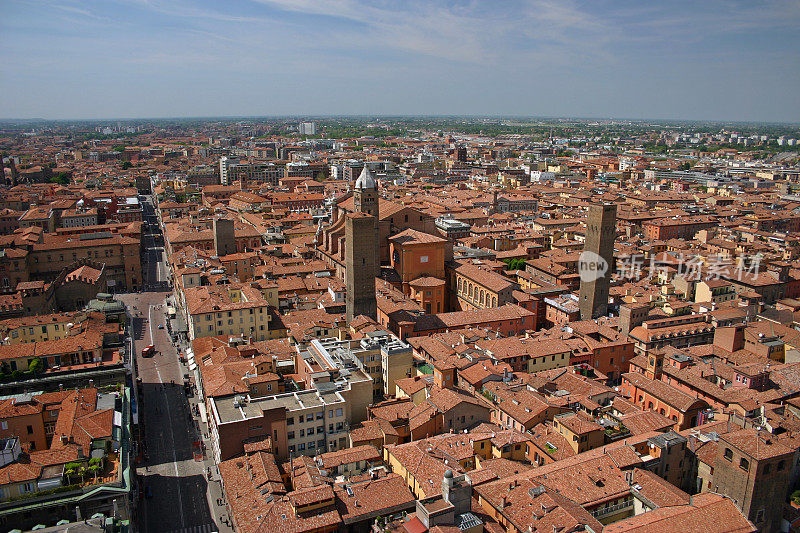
(655, 363)
(365, 193)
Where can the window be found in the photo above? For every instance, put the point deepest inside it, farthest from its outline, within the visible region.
(339, 412)
(290, 435)
(302, 446)
(30, 430)
(3, 425)
(759, 515)
(310, 431)
(767, 468)
(781, 465)
(728, 454)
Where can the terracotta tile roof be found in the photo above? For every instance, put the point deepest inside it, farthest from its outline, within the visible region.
(707, 513)
(373, 498)
(331, 460)
(664, 392)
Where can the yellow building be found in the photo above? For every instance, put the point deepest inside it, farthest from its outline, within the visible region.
(580, 430)
(229, 310)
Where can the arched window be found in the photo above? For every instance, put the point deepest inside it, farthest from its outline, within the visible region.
(728, 454)
(744, 464)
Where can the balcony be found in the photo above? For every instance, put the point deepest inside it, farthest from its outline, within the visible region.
(601, 512)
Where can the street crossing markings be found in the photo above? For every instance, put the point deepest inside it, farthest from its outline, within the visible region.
(206, 528)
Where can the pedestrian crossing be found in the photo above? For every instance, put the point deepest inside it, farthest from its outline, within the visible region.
(206, 528)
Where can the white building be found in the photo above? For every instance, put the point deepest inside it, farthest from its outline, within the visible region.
(307, 128)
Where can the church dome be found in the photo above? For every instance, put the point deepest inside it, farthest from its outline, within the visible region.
(366, 180)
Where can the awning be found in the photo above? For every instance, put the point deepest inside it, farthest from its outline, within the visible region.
(202, 411)
(192, 366)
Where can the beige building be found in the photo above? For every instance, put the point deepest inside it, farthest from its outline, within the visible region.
(714, 290)
(238, 309)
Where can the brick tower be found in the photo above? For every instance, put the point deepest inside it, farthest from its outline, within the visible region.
(362, 248)
(599, 247)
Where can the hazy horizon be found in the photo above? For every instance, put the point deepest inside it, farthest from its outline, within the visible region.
(714, 61)
(390, 116)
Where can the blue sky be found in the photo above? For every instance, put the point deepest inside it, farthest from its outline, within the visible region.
(700, 59)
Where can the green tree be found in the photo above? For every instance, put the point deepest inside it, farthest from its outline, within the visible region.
(70, 469)
(35, 367)
(95, 464)
(61, 177)
(514, 264)
(126, 165)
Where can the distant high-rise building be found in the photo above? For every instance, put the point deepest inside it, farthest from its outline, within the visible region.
(597, 260)
(307, 128)
(224, 165)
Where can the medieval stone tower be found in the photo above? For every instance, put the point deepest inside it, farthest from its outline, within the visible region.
(598, 248)
(362, 248)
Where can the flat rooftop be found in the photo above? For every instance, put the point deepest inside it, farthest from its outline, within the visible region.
(238, 407)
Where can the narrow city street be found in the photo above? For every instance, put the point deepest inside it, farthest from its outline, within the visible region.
(175, 485)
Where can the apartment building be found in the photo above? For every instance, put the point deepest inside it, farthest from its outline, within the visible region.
(380, 354)
(480, 288)
(76, 218)
(235, 309)
(255, 172)
(678, 332)
(295, 423)
(120, 254)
